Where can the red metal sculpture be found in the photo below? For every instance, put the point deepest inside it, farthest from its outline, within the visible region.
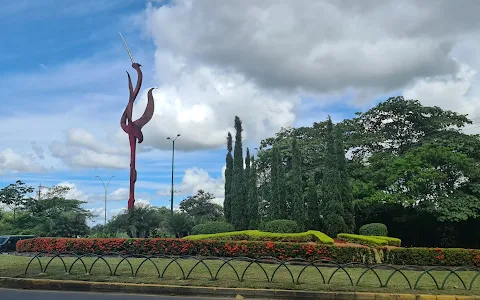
(134, 128)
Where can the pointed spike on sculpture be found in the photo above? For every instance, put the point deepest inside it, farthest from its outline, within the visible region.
(128, 50)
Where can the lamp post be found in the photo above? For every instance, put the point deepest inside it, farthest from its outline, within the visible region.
(105, 188)
(173, 163)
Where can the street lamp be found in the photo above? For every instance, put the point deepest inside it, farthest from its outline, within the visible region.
(173, 163)
(105, 188)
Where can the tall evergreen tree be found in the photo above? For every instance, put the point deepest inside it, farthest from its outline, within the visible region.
(247, 187)
(332, 208)
(227, 203)
(344, 185)
(238, 203)
(313, 205)
(254, 214)
(298, 203)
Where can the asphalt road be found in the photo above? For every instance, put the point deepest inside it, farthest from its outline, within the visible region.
(8, 294)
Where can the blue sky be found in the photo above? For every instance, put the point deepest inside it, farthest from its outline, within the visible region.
(64, 86)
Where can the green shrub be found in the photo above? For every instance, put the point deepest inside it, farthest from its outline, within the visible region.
(212, 227)
(431, 256)
(282, 226)
(184, 247)
(370, 241)
(375, 229)
(255, 235)
(390, 240)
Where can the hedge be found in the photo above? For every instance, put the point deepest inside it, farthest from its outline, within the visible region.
(282, 226)
(284, 251)
(212, 227)
(432, 256)
(255, 235)
(375, 229)
(371, 241)
(252, 249)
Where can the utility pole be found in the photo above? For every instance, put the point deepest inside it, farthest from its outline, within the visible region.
(105, 188)
(40, 191)
(173, 163)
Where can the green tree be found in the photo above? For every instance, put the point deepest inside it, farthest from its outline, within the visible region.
(15, 196)
(298, 203)
(181, 224)
(227, 203)
(344, 183)
(238, 204)
(201, 208)
(332, 209)
(137, 223)
(247, 186)
(313, 205)
(254, 215)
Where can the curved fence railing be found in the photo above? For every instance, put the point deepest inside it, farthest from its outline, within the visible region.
(324, 270)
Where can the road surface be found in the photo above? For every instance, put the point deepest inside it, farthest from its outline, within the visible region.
(9, 294)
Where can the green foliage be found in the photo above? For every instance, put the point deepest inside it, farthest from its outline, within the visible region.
(282, 226)
(256, 235)
(201, 208)
(227, 203)
(346, 194)
(239, 197)
(247, 173)
(181, 224)
(140, 221)
(332, 208)
(298, 203)
(15, 197)
(278, 203)
(212, 227)
(371, 241)
(313, 205)
(254, 214)
(432, 257)
(378, 229)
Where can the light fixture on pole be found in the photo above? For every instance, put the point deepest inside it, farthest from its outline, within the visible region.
(105, 188)
(173, 163)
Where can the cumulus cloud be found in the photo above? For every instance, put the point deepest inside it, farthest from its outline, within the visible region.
(81, 149)
(317, 46)
(119, 194)
(38, 150)
(196, 179)
(12, 161)
(75, 192)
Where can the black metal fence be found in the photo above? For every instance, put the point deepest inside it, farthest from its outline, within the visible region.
(240, 265)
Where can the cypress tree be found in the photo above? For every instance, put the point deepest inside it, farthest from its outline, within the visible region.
(313, 205)
(247, 187)
(345, 187)
(227, 203)
(254, 213)
(298, 203)
(238, 181)
(332, 209)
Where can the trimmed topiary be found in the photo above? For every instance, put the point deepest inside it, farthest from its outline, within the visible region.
(374, 229)
(212, 227)
(282, 226)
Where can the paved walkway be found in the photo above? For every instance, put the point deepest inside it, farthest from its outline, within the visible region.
(8, 294)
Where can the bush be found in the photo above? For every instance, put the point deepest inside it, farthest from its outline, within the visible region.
(362, 239)
(391, 240)
(212, 227)
(282, 226)
(375, 229)
(255, 235)
(432, 256)
(184, 247)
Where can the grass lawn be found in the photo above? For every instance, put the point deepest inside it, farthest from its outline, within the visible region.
(14, 266)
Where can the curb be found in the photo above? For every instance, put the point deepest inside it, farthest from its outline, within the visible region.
(153, 289)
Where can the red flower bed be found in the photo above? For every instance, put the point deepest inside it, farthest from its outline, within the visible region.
(284, 251)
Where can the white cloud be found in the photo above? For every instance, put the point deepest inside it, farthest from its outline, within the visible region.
(198, 179)
(12, 161)
(74, 192)
(318, 46)
(118, 194)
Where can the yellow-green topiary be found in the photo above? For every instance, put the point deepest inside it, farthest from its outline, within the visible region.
(256, 235)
